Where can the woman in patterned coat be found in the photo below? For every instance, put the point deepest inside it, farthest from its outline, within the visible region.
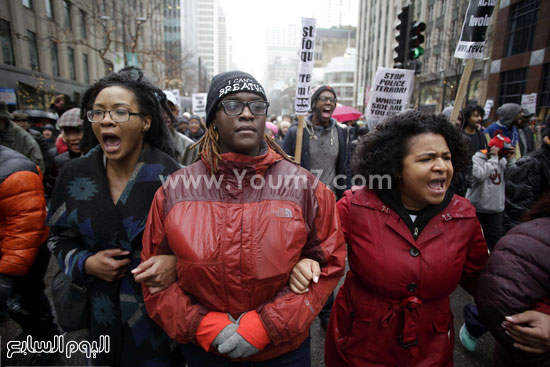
(99, 209)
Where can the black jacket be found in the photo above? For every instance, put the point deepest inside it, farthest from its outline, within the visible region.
(525, 183)
(342, 164)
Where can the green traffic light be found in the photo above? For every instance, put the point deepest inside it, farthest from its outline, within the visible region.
(417, 52)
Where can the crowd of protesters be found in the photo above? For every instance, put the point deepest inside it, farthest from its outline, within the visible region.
(195, 249)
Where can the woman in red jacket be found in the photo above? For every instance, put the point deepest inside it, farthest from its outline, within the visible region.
(238, 221)
(410, 243)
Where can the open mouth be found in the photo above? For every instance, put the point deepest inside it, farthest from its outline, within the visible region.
(326, 112)
(437, 186)
(111, 142)
(74, 146)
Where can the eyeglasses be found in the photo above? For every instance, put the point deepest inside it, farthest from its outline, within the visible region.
(235, 108)
(327, 99)
(119, 115)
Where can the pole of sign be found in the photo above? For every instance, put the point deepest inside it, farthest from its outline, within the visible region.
(299, 138)
(461, 92)
(304, 80)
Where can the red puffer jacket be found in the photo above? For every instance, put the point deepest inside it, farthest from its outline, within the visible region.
(393, 309)
(237, 241)
(22, 212)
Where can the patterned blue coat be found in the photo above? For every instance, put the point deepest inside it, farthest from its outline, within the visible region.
(84, 220)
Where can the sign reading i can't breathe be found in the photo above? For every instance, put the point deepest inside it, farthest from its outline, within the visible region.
(472, 39)
(389, 95)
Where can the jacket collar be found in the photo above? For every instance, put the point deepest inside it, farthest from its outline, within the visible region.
(452, 207)
(257, 165)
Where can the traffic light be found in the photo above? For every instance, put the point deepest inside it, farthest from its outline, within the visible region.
(401, 50)
(416, 39)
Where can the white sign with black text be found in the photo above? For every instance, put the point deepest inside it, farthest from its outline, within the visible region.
(390, 94)
(472, 38)
(305, 70)
(199, 104)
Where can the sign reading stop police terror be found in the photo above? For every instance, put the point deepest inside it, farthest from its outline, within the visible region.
(477, 20)
(306, 66)
(390, 93)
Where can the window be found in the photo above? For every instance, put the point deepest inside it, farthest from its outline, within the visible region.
(27, 4)
(67, 12)
(55, 59)
(72, 72)
(545, 92)
(85, 66)
(83, 24)
(512, 86)
(33, 51)
(49, 8)
(7, 46)
(521, 27)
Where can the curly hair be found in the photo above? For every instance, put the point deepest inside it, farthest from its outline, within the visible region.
(381, 152)
(151, 101)
(469, 110)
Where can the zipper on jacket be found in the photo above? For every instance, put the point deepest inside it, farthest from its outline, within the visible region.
(415, 234)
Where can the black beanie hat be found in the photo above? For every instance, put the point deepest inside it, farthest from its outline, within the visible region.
(318, 91)
(228, 83)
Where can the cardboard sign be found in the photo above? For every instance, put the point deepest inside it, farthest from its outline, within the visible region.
(390, 94)
(305, 70)
(199, 104)
(488, 107)
(529, 102)
(477, 20)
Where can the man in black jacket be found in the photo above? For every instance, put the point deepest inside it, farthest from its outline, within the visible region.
(324, 144)
(527, 180)
(324, 153)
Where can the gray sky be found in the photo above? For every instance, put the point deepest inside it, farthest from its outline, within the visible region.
(247, 21)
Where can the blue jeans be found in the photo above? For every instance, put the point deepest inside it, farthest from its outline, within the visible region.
(198, 357)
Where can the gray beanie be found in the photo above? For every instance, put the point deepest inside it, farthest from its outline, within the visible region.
(228, 83)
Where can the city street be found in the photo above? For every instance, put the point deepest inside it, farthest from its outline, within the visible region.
(482, 357)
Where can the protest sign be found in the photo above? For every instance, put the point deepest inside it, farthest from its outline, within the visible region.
(303, 87)
(529, 102)
(390, 94)
(199, 104)
(488, 107)
(472, 38)
(305, 70)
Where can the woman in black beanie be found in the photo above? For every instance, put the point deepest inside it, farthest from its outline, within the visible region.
(237, 231)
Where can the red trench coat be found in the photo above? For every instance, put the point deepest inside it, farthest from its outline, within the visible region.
(393, 309)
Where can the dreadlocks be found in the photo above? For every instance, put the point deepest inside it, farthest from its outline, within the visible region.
(210, 148)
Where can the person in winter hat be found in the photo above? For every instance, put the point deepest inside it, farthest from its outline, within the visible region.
(508, 115)
(223, 310)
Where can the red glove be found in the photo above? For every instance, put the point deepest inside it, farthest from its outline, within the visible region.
(211, 325)
(252, 329)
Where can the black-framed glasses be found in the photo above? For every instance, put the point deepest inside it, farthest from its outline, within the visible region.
(235, 108)
(327, 99)
(118, 115)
